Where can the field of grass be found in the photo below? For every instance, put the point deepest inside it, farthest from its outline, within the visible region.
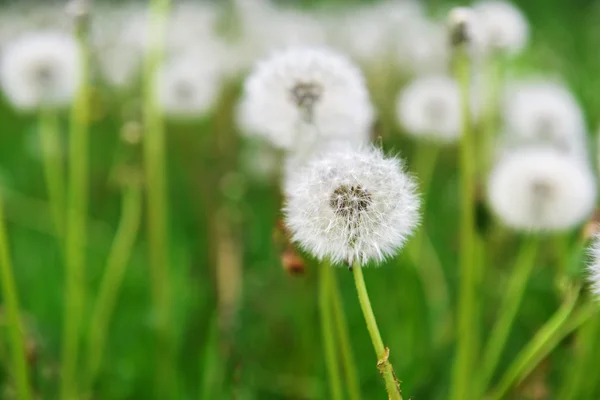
(225, 316)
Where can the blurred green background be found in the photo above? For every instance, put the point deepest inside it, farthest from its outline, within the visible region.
(267, 345)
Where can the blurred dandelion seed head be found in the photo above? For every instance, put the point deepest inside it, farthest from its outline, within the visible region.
(351, 205)
(541, 189)
(306, 85)
(40, 69)
(504, 27)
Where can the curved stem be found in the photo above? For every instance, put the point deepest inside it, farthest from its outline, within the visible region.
(344, 339)
(11, 303)
(466, 334)
(542, 343)
(325, 308)
(510, 305)
(116, 265)
(53, 168)
(156, 180)
(382, 352)
(76, 231)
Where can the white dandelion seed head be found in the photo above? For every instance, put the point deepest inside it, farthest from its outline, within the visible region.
(429, 108)
(541, 189)
(464, 28)
(503, 25)
(545, 112)
(593, 267)
(352, 205)
(423, 48)
(41, 69)
(188, 85)
(306, 94)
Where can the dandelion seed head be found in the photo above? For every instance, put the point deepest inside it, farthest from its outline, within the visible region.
(541, 189)
(429, 108)
(40, 69)
(306, 92)
(351, 205)
(188, 85)
(463, 27)
(545, 112)
(504, 27)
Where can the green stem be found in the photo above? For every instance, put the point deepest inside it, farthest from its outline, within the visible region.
(542, 343)
(11, 303)
(508, 310)
(382, 352)
(156, 180)
(53, 168)
(585, 358)
(76, 231)
(467, 311)
(116, 265)
(325, 307)
(494, 78)
(344, 339)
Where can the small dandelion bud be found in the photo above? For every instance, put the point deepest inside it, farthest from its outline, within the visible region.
(541, 189)
(460, 25)
(544, 112)
(306, 89)
(429, 108)
(351, 205)
(40, 70)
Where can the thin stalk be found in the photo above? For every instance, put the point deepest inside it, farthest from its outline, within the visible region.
(76, 231)
(430, 269)
(382, 352)
(54, 170)
(508, 310)
(156, 179)
(343, 337)
(542, 343)
(467, 310)
(585, 360)
(11, 304)
(494, 79)
(325, 308)
(114, 271)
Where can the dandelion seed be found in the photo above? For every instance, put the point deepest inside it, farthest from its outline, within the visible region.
(351, 205)
(545, 112)
(504, 28)
(429, 108)
(40, 70)
(541, 189)
(306, 95)
(188, 85)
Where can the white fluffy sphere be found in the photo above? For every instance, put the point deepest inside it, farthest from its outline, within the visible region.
(306, 87)
(544, 112)
(41, 69)
(504, 27)
(541, 189)
(429, 108)
(352, 205)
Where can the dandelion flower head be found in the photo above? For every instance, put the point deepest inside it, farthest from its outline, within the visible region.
(352, 205)
(305, 91)
(40, 70)
(541, 189)
(429, 107)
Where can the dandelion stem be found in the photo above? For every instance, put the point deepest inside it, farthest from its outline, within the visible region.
(156, 179)
(467, 328)
(325, 307)
(53, 168)
(382, 352)
(113, 277)
(510, 305)
(546, 339)
(11, 303)
(76, 231)
(344, 339)
(494, 79)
